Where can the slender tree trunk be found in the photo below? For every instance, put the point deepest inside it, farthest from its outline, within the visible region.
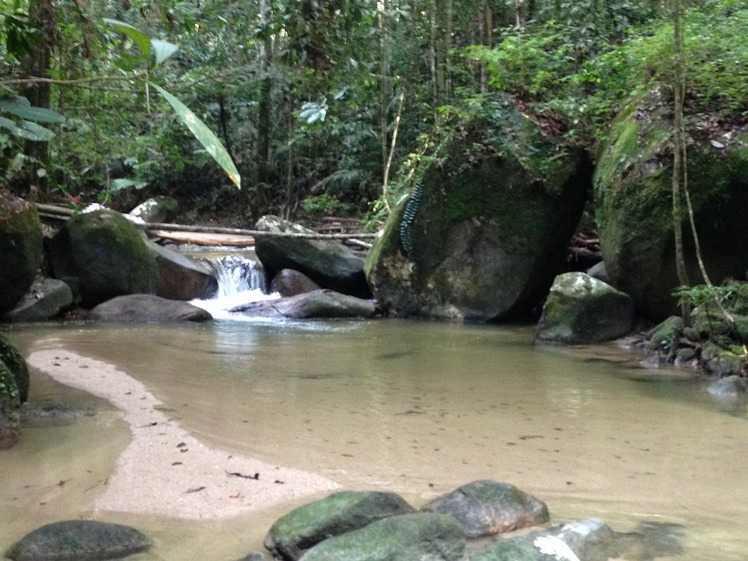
(384, 83)
(36, 64)
(678, 152)
(264, 106)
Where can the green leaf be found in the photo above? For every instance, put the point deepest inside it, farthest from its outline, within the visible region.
(26, 130)
(20, 107)
(162, 50)
(141, 40)
(204, 135)
(123, 183)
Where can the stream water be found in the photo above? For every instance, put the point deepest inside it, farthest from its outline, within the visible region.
(413, 407)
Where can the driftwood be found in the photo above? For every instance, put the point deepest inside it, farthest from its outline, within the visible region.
(64, 213)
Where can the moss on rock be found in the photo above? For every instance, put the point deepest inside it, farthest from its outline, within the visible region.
(20, 248)
(495, 216)
(633, 193)
(103, 255)
(14, 361)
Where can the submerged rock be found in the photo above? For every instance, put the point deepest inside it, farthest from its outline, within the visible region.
(582, 309)
(406, 537)
(147, 308)
(489, 507)
(316, 304)
(301, 529)
(79, 540)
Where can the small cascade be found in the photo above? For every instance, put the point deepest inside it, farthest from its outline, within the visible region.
(237, 274)
(240, 281)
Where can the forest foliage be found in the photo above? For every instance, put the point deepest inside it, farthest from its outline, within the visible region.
(323, 106)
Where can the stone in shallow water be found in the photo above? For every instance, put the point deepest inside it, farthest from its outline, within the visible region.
(489, 507)
(79, 540)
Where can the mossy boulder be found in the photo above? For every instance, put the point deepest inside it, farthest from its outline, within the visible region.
(633, 194)
(12, 358)
(20, 248)
(581, 309)
(484, 233)
(303, 528)
(10, 419)
(102, 255)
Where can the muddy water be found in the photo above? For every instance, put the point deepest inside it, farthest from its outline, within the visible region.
(418, 408)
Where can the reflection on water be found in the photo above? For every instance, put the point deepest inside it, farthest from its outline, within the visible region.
(418, 408)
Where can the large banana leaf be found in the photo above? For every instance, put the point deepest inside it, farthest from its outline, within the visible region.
(204, 135)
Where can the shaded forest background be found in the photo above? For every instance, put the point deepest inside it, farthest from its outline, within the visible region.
(327, 106)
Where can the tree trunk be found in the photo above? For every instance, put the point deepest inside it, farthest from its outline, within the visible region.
(678, 152)
(36, 64)
(264, 105)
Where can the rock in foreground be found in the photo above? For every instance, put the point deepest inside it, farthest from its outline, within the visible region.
(79, 540)
(407, 537)
(301, 529)
(489, 507)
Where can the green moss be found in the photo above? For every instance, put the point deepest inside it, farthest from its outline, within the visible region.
(8, 387)
(14, 361)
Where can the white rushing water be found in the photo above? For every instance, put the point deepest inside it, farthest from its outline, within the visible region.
(240, 281)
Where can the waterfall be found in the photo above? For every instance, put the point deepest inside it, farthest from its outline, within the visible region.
(237, 274)
(240, 280)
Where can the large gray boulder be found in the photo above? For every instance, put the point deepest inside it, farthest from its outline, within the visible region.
(46, 299)
(147, 308)
(303, 528)
(406, 537)
(79, 540)
(633, 202)
(288, 282)
(308, 305)
(582, 309)
(483, 234)
(20, 248)
(181, 278)
(329, 263)
(155, 209)
(102, 255)
(486, 507)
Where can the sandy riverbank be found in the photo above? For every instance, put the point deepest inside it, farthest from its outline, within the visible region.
(165, 471)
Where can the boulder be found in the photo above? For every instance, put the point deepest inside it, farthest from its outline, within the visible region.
(664, 336)
(155, 209)
(484, 233)
(10, 420)
(585, 540)
(301, 529)
(406, 537)
(104, 255)
(316, 304)
(722, 363)
(633, 186)
(288, 282)
(328, 263)
(147, 308)
(485, 508)
(181, 278)
(20, 248)
(46, 299)
(79, 540)
(16, 364)
(582, 309)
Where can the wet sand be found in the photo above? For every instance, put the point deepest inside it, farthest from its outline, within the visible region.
(165, 471)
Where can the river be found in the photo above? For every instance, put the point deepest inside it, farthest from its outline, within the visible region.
(418, 408)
